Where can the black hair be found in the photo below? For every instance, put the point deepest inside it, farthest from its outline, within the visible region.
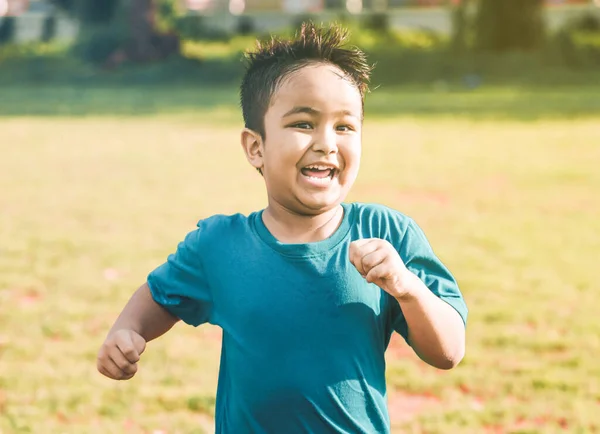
(276, 59)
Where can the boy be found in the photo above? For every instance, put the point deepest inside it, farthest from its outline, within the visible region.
(309, 290)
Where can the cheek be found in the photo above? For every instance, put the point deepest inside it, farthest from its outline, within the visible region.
(285, 149)
(351, 154)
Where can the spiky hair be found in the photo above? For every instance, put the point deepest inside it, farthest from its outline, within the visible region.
(276, 59)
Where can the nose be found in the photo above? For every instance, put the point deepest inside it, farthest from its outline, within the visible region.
(326, 141)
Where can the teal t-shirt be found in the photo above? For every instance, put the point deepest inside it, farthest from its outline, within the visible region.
(304, 334)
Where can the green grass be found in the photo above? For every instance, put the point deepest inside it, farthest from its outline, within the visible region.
(97, 185)
(448, 100)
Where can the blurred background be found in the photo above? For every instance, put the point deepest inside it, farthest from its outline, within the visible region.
(412, 41)
(119, 130)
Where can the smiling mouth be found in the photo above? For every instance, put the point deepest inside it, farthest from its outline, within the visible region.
(318, 174)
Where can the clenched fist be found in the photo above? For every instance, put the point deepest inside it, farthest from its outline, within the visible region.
(379, 263)
(119, 354)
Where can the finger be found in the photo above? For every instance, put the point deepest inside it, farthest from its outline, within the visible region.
(362, 242)
(377, 273)
(356, 260)
(122, 362)
(127, 347)
(358, 249)
(128, 377)
(139, 343)
(373, 259)
(104, 372)
(366, 251)
(108, 368)
(368, 247)
(122, 376)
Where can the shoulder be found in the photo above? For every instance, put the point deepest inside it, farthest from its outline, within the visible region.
(218, 227)
(222, 222)
(371, 210)
(381, 219)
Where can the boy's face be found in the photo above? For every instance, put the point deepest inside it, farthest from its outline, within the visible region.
(311, 154)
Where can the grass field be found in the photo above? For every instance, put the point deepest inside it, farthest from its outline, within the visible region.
(506, 183)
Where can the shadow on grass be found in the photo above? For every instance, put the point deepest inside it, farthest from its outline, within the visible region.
(221, 101)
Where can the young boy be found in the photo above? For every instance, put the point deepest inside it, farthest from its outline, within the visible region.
(309, 290)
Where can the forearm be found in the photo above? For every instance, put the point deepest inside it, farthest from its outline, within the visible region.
(435, 329)
(144, 316)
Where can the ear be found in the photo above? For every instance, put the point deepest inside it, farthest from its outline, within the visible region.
(253, 147)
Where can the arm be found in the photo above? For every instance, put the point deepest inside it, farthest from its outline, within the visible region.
(144, 316)
(436, 331)
(141, 320)
(176, 290)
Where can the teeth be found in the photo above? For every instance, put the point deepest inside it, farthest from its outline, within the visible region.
(321, 180)
(320, 167)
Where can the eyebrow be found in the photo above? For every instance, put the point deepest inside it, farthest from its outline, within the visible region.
(315, 112)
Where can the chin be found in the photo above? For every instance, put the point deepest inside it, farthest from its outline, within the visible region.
(318, 205)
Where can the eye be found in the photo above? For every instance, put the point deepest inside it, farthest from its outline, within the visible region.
(344, 128)
(302, 125)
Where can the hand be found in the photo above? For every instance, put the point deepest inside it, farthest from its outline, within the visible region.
(379, 263)
(119, 354)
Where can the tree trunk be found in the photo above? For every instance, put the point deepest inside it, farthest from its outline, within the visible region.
(459, 27)
(145, 43)
(141, 30)
(503, 25)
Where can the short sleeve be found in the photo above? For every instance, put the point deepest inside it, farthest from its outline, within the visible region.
(180, 284)
(420, 259)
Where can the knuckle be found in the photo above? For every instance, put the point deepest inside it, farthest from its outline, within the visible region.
(368, 262)
(106, 348)
(128, 368)
(132, 355)
(122, 364)
(128, 373)
(127, 349)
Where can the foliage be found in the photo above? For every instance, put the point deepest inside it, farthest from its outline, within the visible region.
(196, 28)
(245, 26)
(90, 11)
(48, 28)
(115, 31)
(401, 57)
(578, 42)
(377, 21)
(167, 13)
(509, 25)
(95, 44)
(7, 30)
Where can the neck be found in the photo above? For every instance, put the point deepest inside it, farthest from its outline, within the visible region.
(294, 228)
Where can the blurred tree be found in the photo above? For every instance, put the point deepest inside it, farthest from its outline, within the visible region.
(114, 31)
(510, 25)
(89, 11)
(48, 28)
(498, 25)
(460, 25)
(7, 29)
